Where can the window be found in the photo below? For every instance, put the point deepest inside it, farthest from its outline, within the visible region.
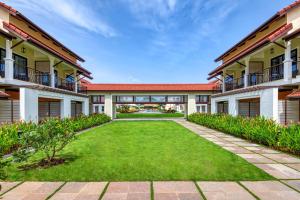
(20, 67)
(96, 109)
(202, 98)
(222, 107)
(70, 79)
(158, 98)
(175, 99)
(125, 99)
(294, 63)
(276, 71)
(98, 99)
(2, 62)
(140, 99)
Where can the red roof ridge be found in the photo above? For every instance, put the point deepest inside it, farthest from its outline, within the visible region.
(9, 8)
(289, 7)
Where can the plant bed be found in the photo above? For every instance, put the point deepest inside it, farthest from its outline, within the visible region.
(257, 129)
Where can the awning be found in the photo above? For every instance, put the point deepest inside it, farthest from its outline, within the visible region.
(26, 37)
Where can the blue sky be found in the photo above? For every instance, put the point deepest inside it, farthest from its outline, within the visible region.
(149, 41)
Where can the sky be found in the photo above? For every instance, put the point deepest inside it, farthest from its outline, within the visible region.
(149, 41)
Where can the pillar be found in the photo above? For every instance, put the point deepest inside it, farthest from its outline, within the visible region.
(76, 81)
(246, 76)
(108, 105)
(287, 62)
(191, 104)
(65, 107)
(269, 104)
(52, 74)
(9, 62)
(29, 105)
(85, 107)
(232, 106)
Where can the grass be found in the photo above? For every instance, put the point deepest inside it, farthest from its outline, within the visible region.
(140, 151)
(148, 115)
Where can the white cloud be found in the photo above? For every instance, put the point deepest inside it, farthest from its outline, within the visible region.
(73, 11)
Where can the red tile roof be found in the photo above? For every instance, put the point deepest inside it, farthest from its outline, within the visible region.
(3, 94)
(269, 38)
(294, 95)
(15, 12)
(150, 87)
(25, 36)
(265, 24)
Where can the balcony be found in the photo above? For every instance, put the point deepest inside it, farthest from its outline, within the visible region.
(31, 75)
(234, 84)
(273, 73)
(64, 84)
(81, 89)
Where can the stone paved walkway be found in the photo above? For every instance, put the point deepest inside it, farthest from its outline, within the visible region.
(284, 167)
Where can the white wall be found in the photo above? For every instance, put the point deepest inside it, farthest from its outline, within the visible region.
(268, 102)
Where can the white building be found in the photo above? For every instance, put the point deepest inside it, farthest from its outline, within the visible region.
(193, 97)
(260, 74)
(39, 76)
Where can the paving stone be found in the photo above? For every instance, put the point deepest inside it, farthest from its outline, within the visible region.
(282, 158)
(280, 171)
(80, 191)
(237, 149)
(246, 144)
(32, 191)
(175, 190)
(294, 166)
(273, 190)
(224, 190)
(261, 150)
(293, 183)
(5, 186)
(128, 191)
(233, 139)
(256, 158)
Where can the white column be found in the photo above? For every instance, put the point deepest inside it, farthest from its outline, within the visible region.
(213, 105)
(9, 62)
(287, 62)
(269, 103)
(85, 107)
(191, 104)
(65, 108)
(52, 74)
(232, 106)
(76, 80)
(28, 105)
(108, 105)
(246, 76)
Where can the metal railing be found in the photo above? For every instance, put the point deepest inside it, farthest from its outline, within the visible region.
(81, 89)
(273, 73)
(234, 84)
(64, 84)
(2, 69)
(28, 74)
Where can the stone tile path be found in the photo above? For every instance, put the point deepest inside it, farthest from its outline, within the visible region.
(284, 167)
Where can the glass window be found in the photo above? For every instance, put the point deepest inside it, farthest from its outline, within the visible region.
(69, 79)
(96, 109)
(158, 98)
(98, 99)
(222, 107)
(2, 62)
(142, 99)
(102, 109)
(125, 99)
(294, 63)
(202, 98)
(20, 67)
(174, 98)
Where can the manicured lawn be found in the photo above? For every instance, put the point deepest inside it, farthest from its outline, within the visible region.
(148, 115)
(143, 150)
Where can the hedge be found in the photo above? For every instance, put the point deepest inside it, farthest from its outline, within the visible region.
(257, 129)
(9, 133)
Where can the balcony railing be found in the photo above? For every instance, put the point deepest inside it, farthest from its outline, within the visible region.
(234, 84)
(31, 75)
(64, 84)
(2, 69)
(81, 89)
(273, 73)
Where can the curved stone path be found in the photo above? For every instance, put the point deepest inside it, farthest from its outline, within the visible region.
(284, 167)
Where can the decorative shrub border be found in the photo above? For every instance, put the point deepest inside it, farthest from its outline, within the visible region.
(258, 129)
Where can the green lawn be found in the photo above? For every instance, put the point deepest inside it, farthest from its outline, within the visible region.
(148, 115)
(143, 150)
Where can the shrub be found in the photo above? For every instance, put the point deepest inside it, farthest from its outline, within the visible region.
(257, 129)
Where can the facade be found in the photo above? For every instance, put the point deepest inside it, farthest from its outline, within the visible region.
(192, 97)
(260, 74)
(39, 76)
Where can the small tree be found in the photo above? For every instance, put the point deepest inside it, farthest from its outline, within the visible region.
(50, 138)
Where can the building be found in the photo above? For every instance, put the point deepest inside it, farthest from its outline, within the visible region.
(260, 74)
(39, 76)
(194, 97)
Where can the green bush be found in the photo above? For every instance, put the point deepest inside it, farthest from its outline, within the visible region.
(257, 129)
(9, 133)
